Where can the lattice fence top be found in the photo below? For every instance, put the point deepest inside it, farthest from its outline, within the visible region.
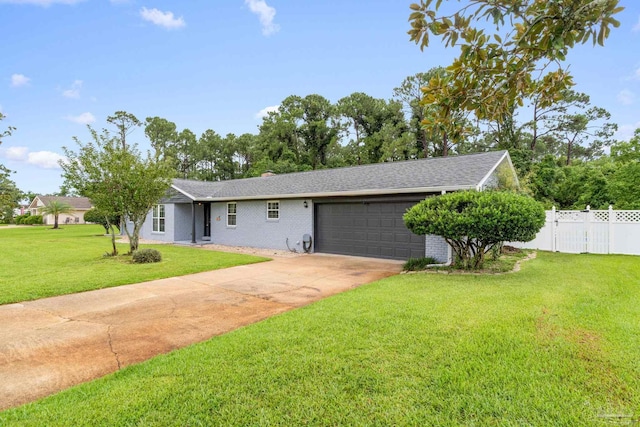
(627, 216)
(570, 216)
(595, 216)
(600, 216)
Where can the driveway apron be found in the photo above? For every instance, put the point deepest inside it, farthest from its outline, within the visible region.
(51, 344)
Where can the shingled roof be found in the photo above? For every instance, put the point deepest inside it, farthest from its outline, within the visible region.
(78, 203)
(412, 176)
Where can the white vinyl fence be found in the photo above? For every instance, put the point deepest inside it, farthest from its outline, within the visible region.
(598, 232)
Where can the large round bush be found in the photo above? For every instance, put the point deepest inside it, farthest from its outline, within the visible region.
(474, 222)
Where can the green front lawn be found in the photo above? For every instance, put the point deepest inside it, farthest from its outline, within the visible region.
(554, 344)
(38, 262)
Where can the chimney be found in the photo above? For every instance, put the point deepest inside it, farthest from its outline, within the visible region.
(267, 173)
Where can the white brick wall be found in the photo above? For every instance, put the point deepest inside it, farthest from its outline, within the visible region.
(436, 247)
(253, 228)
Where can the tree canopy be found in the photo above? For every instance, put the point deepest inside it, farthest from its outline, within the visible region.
(496, 71)
(98, 217)
(472, 223)
(119, 181)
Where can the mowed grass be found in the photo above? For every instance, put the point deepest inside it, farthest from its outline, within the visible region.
(38, 262)
(557, 343)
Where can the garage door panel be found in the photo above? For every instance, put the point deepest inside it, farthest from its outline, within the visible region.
(359, 235)
(356, 222)
(404, 253)
(387, 222)
(359, 249)
(373, 229)
(387, 252)
(387, 237)
(403, 238)
(399, 222)
(372, 208)
(357, 209)
(373, 237)
(338, 235)
(417, 239)
(373, 251)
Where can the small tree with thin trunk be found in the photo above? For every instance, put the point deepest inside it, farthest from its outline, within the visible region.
(119, 181)
(55, 208)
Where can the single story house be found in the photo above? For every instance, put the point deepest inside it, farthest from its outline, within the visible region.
(80, 206)
(353, 210)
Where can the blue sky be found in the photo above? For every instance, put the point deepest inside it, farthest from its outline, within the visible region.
(216, 64)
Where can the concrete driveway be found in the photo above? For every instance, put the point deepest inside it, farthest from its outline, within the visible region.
(51, 344)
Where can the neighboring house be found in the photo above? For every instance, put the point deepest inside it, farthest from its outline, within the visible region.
(80, 206)
(20, 210)
(353, 211)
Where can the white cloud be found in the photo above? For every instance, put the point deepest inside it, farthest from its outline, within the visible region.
(626, 97)
(16, 153)
(266, 110)
(18, 80)
(83, 119)
(162, 19)
(266, 14)
(625, 132)
(634, 76)
(44, 3)
(74, 90)
(45, 159)
(41, 159)
(637, 26)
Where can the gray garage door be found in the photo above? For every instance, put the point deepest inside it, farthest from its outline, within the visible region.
(366, 229)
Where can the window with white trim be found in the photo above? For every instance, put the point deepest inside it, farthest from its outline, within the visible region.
(158, 219)
(232, 211)
(273, 210)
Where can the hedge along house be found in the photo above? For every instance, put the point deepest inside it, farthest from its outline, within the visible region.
(352, 211)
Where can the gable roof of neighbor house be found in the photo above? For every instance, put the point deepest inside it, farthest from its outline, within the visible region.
(413, 176)
(77, 203)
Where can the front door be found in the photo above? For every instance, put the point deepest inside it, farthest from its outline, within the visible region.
(207, 220)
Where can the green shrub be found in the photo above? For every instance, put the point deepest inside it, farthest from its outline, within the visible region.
(417, 264)
(473, 223)
(33, 220)
(144, 256)
(19, 219)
